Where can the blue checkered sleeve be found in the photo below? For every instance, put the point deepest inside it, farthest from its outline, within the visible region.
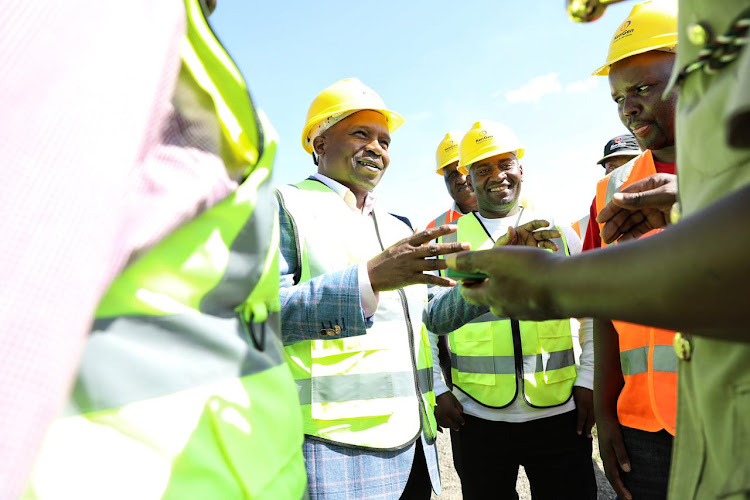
(448, 310)
(322, 303)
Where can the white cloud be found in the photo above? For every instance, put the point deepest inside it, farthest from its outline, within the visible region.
(583, 85)
(535, 89)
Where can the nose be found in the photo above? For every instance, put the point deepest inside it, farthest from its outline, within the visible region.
(375, 147)
(631, 106)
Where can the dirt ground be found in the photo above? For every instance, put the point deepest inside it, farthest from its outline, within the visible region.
(452, 485)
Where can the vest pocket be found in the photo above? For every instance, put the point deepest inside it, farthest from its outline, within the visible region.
(738, 477)
(474, 355)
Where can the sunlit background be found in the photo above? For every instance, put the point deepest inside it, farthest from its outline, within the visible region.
(443, 66)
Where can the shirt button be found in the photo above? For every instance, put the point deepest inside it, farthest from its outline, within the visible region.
(698, 34)
(682, 346)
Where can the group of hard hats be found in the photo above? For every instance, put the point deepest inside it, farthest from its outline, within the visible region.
(485, 139)
(652, 25)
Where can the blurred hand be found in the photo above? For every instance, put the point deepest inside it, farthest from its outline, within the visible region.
(405, 262)
(518, 283)
(614, 457)
(449, 411)
(639, 208)
(530, 235)
(584, 399)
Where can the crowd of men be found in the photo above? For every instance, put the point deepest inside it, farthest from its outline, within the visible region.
(241, 341)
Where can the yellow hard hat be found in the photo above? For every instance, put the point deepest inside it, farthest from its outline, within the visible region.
(651, 25)
(486, 138)
(346, 96)
(447, 150)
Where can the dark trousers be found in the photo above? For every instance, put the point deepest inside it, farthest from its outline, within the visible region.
(418, 486)
(650, 456)
(556, 459)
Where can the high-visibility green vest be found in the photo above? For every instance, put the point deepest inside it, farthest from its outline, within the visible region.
(492, 357)
(182, 390)
(372, 390)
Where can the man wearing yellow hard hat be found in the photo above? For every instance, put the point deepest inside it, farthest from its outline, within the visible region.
(636, 398)
(518, 397)
(686, 277)
(353, 293)
(464, 201)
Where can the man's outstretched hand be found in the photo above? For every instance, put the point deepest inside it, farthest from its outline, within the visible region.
(639, 208)
(530, 234)
(405, 262)
(518, 283)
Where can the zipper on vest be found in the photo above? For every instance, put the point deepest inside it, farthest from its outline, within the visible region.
(515, 328)
(405, 305)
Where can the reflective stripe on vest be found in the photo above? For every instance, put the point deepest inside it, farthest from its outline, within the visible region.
(491, 356)
(636, 361)
(372, 390)
(580, 226)
(182, 383)
(648, 400)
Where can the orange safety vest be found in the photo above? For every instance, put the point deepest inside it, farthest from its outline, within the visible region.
(445, 218)
(648, 400)
(580, 226)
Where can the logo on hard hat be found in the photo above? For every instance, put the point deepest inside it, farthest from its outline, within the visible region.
(451, 147)
(623, 31)
(618, 140)
(484, 137)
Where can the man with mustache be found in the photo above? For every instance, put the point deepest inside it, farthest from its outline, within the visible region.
(353, 293)
(517, 397)
(636, 367)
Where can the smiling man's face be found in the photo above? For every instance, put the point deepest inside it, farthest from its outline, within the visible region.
(637, 84)
(497, 184)
(354, 152)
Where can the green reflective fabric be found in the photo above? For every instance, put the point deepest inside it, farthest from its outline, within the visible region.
(251, 451)
(189, 334)
(360, 390)
(485, 364)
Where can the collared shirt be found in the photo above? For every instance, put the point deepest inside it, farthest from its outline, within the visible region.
(368, 298)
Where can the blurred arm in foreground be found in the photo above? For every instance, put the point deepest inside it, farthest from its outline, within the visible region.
(681, 279)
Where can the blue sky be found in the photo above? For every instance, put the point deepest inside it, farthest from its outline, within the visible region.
(443, 66)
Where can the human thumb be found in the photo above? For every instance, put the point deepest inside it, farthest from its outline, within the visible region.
(462, 261)
(507, 238)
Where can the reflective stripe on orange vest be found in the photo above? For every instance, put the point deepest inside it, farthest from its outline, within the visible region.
(648, 400)
(445, 218)
(580, 226)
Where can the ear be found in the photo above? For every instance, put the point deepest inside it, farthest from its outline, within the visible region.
(520, 169)
(319, 145)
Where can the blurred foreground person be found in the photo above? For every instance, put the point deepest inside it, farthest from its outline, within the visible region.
(182, 390)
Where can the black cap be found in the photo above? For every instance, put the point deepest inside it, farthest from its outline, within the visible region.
(622, 145)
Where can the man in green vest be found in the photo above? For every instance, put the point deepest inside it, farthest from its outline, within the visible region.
(182, 390)
(685, 278)
(517, 397)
